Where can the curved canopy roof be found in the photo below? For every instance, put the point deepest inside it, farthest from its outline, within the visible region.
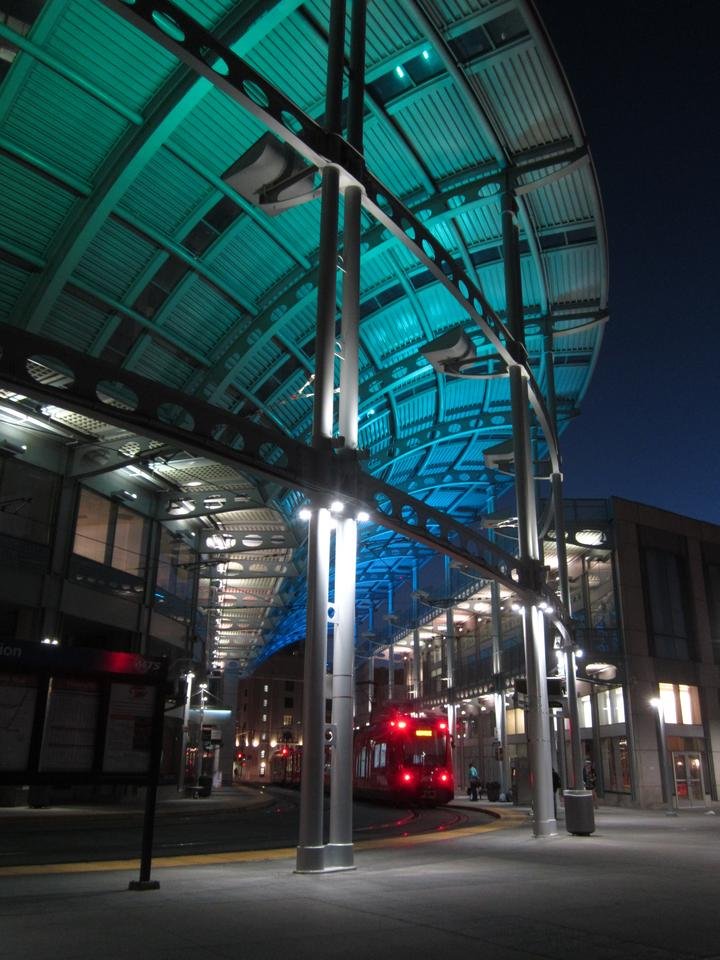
(123, 235)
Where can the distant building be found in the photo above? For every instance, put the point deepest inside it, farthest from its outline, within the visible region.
(645, 592)
(269, 713)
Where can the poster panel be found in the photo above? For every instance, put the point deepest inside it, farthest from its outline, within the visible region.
(68, 742)
(18, 695)
(129, 728)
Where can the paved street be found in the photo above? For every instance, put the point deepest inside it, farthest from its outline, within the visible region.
(645, 886)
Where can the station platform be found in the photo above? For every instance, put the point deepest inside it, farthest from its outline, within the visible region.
(643, 886)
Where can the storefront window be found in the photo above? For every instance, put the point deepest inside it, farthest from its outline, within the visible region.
(616, 764)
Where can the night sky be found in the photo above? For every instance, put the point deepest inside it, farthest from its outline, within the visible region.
(645, 77)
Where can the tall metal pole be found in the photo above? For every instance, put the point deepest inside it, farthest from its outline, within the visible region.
(500, 708)
(538, 734)
(310, 852)
(185, 730)
(450, 667)
(560, 546)
(417, 678)
(340, 848)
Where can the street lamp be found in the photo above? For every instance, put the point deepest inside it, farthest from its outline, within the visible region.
(201, 750)
(185, 729)
(665, 778)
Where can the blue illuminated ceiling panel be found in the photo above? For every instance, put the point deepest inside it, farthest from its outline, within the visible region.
(120, 237)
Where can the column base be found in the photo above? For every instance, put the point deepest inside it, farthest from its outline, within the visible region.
(310, 860)
(339, 856)
(545, 828)
(144, 885)
(326, 859)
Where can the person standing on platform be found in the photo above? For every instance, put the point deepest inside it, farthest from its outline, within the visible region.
(474, 781)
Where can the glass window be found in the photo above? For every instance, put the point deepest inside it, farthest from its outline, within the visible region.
(287, 720)
(584, 712)
(92, 530)
(615, 764)
(668, 622)
(515, 720)
(601, 593)
(379, 755)
(362, 764)
(129, 542)
(611, 708)
(176, 566)
(680, 703)
(27, 497)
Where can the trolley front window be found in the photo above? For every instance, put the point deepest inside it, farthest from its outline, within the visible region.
(425, 750)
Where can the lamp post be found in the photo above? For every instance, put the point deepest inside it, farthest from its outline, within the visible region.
(665, 777)
(201, 747)
(185, 730)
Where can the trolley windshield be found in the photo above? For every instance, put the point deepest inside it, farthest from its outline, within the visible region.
(425, 747)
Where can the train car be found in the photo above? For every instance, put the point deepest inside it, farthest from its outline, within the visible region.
(404, 759)
(399, 758)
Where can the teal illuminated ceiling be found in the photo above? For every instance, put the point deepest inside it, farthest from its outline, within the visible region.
(120, 237)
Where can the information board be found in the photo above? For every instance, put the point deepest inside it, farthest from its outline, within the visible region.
(129, 728)
(71, 721)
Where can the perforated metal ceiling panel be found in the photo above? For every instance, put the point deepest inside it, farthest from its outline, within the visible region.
(119, 236)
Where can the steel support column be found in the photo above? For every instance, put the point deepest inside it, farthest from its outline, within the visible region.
(450, 667)
(311, 852)
(538, 733)
(561, 548)
(499, 699)
(340, 847)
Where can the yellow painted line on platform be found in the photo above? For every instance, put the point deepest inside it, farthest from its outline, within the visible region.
(509, 819)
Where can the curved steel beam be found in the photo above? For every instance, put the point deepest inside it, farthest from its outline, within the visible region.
(31, 364)
(202, 51)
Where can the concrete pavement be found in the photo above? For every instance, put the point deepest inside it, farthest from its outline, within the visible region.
(645, 886)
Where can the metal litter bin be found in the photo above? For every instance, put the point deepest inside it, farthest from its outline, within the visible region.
(579, 812)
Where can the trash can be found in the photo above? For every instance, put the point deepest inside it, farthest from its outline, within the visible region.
(204, 786)
(579, 812)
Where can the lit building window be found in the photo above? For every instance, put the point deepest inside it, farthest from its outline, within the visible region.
(264, 718)
(515, 719)
(265, 688)
(584, 711)
(611, 708)
(680, 703)
(262, 769)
